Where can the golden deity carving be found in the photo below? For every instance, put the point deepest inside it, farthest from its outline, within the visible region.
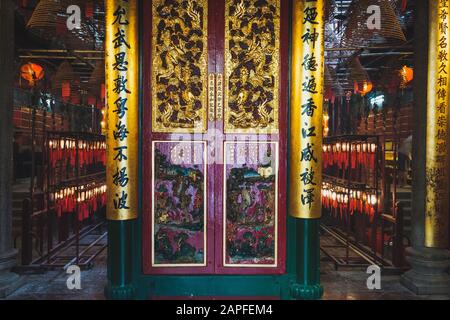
(252, 44)
(179, 76)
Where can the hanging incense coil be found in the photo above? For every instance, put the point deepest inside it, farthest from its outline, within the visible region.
(91, 33)
(330, 76)
(338, 90)
(49, 21)
(45, 15)
(53, 13)
(332, 81)
(97, 79)
(329, 9)
(357, 73)
(66, 80)
(357, 32)
(390, 76)
(64, 73)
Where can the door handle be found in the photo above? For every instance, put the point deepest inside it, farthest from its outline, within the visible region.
(219, 96)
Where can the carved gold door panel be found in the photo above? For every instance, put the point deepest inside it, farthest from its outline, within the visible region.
(180, 66)
(215, 79)
(252, 50)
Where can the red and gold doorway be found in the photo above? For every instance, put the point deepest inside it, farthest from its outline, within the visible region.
(214, 136)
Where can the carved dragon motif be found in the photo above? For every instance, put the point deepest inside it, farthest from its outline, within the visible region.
(179, 78)
(252, 53)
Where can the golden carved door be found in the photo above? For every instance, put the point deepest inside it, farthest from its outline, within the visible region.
(215, 136)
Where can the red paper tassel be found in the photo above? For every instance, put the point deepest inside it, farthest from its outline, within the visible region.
(372, 213)
(103, 91)
(89, 10)
(72, 157)
(86, 211)
(354, 160)
(58, 209)
(65, 90)
(372, 161)
(75, 99)
(91, 101)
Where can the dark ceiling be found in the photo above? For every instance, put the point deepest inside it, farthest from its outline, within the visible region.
(85, 50)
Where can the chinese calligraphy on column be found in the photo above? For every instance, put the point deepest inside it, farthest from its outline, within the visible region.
(437, 155)
(122, 116)
(306, 108)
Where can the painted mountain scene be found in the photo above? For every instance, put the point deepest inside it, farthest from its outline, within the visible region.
(251, 208)
(179, 204)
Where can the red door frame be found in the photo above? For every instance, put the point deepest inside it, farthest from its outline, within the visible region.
(216, 39)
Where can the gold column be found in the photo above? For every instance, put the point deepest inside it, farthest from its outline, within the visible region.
(122, 108)
(306, 109)
(437, 158)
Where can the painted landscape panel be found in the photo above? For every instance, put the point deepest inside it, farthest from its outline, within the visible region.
(179, 206)
(250, 204)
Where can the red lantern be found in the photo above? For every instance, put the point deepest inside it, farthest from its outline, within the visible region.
(407, 75)
(32, 73)
(365, 88)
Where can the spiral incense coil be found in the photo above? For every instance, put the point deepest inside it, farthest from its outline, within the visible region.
(49, 20)
(357, 32)
(357, 73)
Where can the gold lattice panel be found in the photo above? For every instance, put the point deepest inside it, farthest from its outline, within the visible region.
(252, 50)
(179, 76)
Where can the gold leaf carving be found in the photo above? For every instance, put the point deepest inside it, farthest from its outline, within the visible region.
(252, 45)
(179, 69)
